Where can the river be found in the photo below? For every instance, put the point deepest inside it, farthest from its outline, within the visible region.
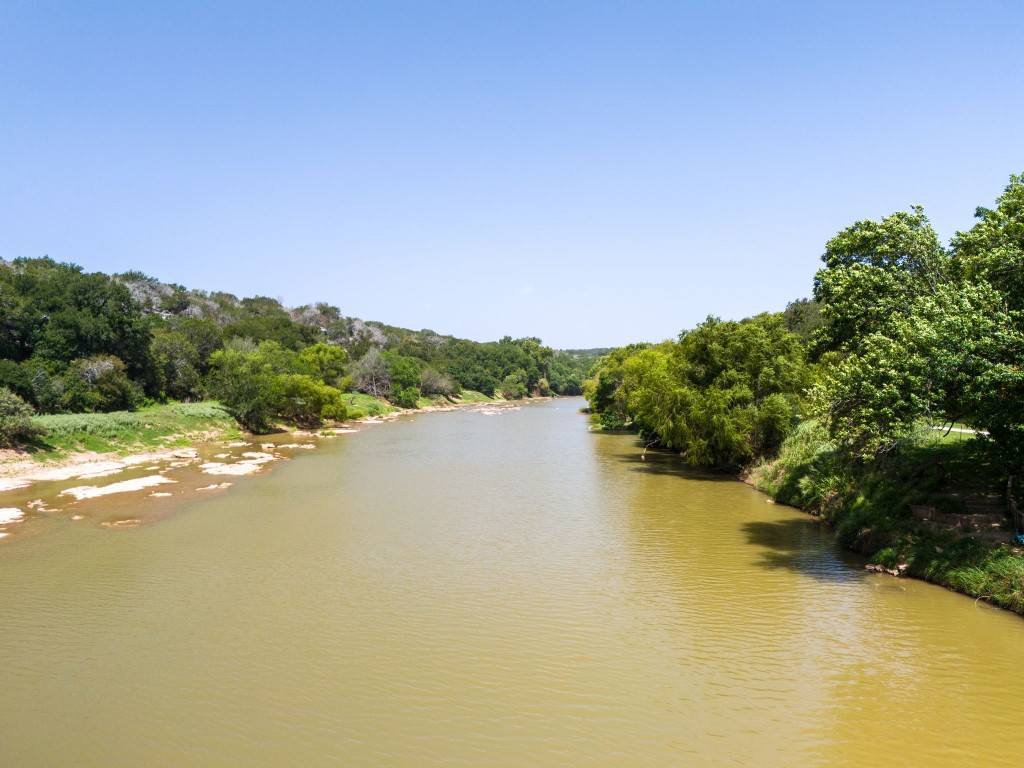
(487, 587)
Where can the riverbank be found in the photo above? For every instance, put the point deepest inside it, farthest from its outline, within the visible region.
(83, 453)
(934, 511)
(77, 439)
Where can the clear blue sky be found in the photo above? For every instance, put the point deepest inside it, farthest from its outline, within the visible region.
(592, 173)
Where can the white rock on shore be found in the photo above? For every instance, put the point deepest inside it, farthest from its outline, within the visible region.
(92, 491)
(10, 515)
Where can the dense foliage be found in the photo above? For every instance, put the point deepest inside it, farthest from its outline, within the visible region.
(77, 342)
(832, 404)
(722, 394)
(900, 330)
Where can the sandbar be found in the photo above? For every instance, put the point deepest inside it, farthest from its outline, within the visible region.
(10, 515)
(92, 491)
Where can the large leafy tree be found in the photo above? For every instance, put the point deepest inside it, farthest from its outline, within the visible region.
(920, 334)
(873, 271)
(725, 393)
(993, 249)
(247, 384)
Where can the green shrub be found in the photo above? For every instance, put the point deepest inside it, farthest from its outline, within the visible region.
(406, 398)
(304, 399)
(99, 384)
(16, 425)
(513, 386)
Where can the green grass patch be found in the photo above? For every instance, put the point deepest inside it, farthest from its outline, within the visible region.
(472, 396)
(434, 402)
(159, 426)
(360, 406)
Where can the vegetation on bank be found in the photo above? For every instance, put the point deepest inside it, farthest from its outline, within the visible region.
(73, 342)
(936, 509)
(172, 425)
(154, 427)
(828, 404)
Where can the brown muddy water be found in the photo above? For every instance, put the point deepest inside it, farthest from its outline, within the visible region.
(489, 587)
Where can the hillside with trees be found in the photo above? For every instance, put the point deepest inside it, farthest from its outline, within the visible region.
(78, 342)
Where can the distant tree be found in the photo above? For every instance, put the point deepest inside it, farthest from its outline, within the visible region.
(56, 312)
(404, 371)
(407, 397)
(202, 334)
(17, 379)
(803, 317)
(176, 363)
(277, 327)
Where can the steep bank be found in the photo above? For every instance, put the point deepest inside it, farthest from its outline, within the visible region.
(934, 511)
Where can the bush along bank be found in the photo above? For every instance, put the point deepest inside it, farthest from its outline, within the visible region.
(935, 508)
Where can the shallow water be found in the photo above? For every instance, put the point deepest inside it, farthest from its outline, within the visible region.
(492, 587)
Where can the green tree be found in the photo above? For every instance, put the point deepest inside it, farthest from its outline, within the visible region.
(247, 385)
(176, 363)
(404, 372)
(433, 382)
(513, 386)
(99, 384)
(16, 425)
(203, 335)
(308, 401)
(922, 335)
(873, 271)
(57, 313)
(602, 390)
(405, 397)
(725, 393)
(803, 317)
(993, 249)
(323, 361)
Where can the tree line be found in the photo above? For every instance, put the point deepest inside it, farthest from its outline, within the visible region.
(73, 341)
(901, 330)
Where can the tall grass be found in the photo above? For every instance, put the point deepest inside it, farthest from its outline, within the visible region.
(109, 425)
(124, 431)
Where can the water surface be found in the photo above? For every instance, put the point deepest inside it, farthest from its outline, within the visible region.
(486, 588)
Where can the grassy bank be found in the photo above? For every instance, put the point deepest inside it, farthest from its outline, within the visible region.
(153, 428)
(174, 425)
(361, 406)
(470, 396)
(935, 509)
